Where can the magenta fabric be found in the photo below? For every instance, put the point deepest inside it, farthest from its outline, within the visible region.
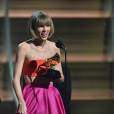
(41, 96)
(43, 100)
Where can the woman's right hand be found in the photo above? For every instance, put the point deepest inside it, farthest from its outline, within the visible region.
(22, 108)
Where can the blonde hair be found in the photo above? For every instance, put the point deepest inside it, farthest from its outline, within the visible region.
(39, 18)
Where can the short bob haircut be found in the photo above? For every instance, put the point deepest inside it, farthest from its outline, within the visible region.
(39, 18)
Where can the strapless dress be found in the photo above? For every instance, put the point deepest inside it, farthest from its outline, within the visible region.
(41, 96)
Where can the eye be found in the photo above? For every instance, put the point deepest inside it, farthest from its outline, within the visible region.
(41, 26)
(48, 25)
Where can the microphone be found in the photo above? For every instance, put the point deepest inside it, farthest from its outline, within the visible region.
(60, 44)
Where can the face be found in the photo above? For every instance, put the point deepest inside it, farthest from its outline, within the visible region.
(43, 32)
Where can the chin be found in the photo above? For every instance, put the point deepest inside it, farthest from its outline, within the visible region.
(44, 38)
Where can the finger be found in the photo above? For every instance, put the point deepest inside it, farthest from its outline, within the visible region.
(19, 113)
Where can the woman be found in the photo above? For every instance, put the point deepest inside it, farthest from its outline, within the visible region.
(38, 59)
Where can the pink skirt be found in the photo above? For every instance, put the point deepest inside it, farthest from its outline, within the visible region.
(43, 100)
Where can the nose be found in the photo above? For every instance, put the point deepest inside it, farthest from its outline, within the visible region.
(44, 28)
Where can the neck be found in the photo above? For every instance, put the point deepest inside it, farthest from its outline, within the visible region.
(39, 42)
(43, 43)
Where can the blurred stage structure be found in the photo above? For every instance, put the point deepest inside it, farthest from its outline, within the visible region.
(86, 27)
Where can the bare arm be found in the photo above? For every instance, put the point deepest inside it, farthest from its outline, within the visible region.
(22, 49)
(59, 67)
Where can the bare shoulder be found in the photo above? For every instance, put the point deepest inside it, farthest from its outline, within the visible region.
(24, 46)
(53, 45)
